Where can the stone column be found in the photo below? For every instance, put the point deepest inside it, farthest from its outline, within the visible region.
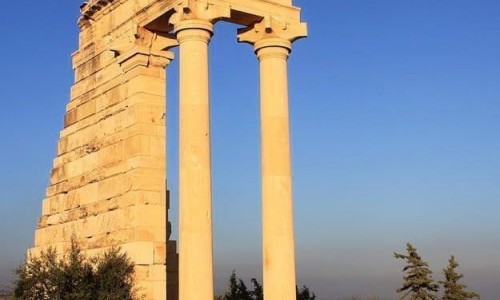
(272, 44)
(193, 27)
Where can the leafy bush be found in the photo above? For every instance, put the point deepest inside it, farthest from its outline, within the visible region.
(74, 277)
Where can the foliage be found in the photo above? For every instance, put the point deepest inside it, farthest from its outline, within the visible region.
(73, 277)
(304, 294)
(237, 290)
(418, 283)
(453, 290)
(258, 292)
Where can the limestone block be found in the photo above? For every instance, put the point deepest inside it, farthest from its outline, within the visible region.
(98, 241)
(62, 145)
(58, 174)
(149, 105)
(47, 235)
(145, 288)
(97, 207)
(107, 125)
(91, 82)
(146, 113)
(77, 213)
(111, 187)
(52, 205)
(54, 219)
(51, 234)
(156, 198)
(70, 117)
(111, 154)
(74, 168)
(141, 253)
(138, 145)
(142, 272)
(157, 272)
(58, 188)
(45, 207)
(146, 85)
(150, 234)
(160, 253)
(88, 194)
(284, 2)
(89, 161)
(136, 234)
(145, 180)
(158, 146)
(56, 203)
(111, 97)
(146, 161)
(42, 222)
(89, 65)
(159, 289)
(106, 222)
(79, 113)
(138, 129)
(147, 216)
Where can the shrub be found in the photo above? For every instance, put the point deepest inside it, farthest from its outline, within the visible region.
(75, 277)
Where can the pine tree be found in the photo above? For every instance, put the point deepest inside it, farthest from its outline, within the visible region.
(237, 290)
(258, 292)
(304, 293)
(453, 290)
(418, 283)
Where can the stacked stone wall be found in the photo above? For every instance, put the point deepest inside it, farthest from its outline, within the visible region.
(107, 185)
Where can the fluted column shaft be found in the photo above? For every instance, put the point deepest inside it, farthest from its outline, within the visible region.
(277, 207)
(195, 200)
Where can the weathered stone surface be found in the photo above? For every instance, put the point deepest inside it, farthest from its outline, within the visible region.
(107, 185)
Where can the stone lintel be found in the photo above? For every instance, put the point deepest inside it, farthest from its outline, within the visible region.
(243, 12)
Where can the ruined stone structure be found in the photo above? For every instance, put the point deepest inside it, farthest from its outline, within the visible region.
(108, 185)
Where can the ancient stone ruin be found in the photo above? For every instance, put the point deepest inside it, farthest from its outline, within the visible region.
(108, 185)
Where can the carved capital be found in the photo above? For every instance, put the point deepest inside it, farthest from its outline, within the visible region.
(142, 47)
(144, 57)
(142, 38)
(272, 32)
(203, 10)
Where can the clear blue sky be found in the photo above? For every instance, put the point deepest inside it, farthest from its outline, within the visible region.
(395, 111)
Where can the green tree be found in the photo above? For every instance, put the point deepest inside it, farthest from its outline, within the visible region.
(37, 278)
(453, 290)
(114, 276)
(418, 283)
(237, 290)
(304, 293)
(74, 277)
(258, 292)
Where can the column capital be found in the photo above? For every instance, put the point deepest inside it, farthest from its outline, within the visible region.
(201, 10)
(272, 32)
(144, 57)
(141, 37)
(141, 47)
